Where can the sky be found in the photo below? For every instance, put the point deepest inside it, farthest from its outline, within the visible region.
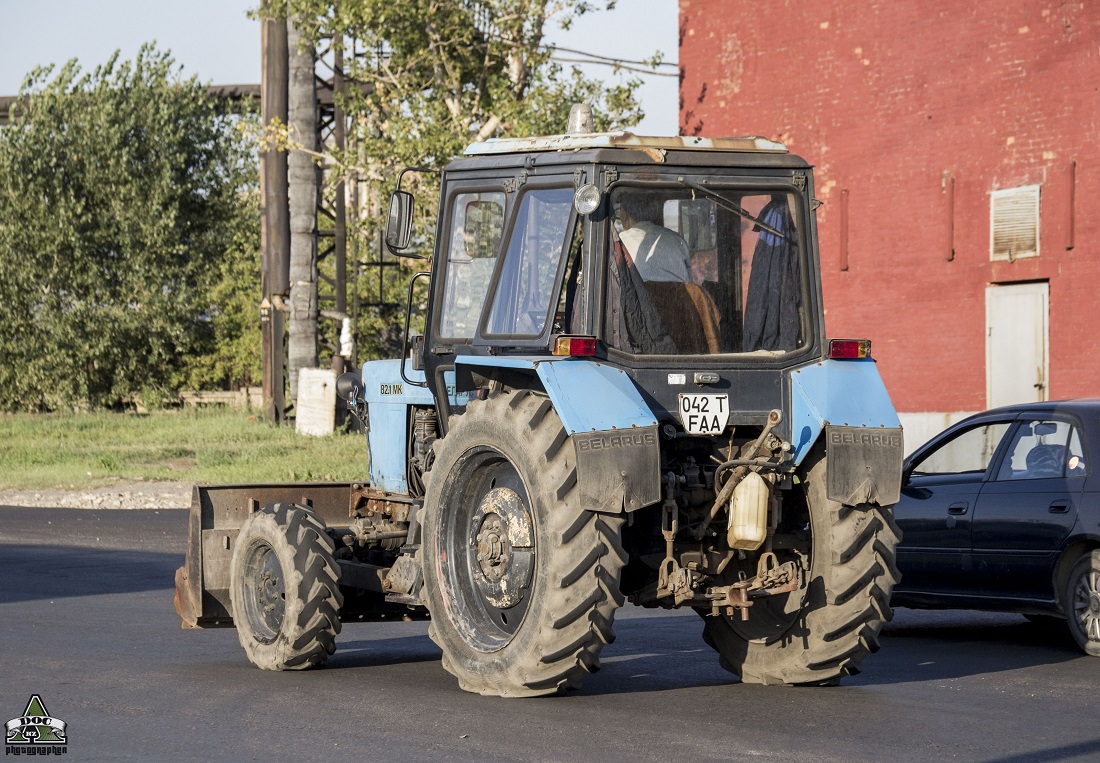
(217, 41)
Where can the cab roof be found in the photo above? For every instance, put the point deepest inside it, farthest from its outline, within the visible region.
(622, 139)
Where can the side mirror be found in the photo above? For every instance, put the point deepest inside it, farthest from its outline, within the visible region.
(399, 221)
(349, 388)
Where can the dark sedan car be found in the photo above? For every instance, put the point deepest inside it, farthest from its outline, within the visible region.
(1002, 512)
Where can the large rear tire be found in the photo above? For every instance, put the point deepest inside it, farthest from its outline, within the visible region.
(284, 588)
(522, 581)
(822, 632)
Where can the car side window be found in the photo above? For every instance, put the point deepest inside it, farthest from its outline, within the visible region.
(1043, 449)
(968, 452)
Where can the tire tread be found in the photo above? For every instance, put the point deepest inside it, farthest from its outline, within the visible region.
(857, 571)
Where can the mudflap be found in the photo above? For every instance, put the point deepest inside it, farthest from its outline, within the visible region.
(865, 464)
(619, 469)
(217, 512)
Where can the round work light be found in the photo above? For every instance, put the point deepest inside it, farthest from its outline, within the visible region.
(586, 199)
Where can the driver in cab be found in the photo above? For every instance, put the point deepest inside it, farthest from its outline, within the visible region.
(659, 254)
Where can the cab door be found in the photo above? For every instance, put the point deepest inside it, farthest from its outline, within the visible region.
(941, 488)
(501, 266)
(471, 232)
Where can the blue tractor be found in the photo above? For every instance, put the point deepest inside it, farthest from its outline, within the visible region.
(623, 391)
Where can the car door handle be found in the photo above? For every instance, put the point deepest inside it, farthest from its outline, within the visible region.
(958, 508)
(1061, 507)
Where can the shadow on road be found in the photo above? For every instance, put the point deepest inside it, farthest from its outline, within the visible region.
(931, 645)
(35, 572)
(657, 652)
(370, 653)
(1080, 751)
(650, 654)
(665, 652)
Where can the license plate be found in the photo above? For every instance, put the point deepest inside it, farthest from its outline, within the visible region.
(704, 414)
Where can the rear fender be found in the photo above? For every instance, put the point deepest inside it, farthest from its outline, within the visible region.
(612, 428)
(845, 404)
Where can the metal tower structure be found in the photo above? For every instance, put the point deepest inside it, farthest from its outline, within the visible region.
(338, 213)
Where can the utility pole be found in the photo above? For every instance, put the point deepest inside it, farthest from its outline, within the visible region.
(305, 197)
(275, 218)
(299, 276)
(340, 137)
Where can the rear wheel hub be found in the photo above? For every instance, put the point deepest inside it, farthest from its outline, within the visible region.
(504, 548)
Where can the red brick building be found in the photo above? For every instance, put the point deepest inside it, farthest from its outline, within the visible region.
(957, 150)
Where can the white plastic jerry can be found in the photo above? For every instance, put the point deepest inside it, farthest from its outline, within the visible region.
(749, 513)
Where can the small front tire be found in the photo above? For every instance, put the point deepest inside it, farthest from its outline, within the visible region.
(284, 589)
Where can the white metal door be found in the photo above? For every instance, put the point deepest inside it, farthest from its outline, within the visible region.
(1016, 343)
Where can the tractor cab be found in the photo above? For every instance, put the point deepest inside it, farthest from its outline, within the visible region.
(671, 258)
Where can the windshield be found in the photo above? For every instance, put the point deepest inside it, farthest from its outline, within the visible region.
(702, 271)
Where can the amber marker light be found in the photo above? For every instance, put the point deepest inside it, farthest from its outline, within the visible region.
(849, 349)
(575, 346)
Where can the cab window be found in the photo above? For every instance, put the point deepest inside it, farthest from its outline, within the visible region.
(477, 226)
(705, 270)
(525, 289)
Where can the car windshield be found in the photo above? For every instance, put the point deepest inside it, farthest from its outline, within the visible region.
(702, 271)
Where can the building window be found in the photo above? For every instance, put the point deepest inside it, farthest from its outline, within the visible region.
(1014, 223)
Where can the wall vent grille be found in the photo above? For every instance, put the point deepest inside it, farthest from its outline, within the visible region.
(1014, 223)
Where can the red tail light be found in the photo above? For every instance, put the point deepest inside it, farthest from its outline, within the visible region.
(575, 346)
(849, 349)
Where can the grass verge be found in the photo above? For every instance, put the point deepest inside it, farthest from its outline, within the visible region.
(199, 446)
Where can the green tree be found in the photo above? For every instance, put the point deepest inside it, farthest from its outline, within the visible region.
(430, 77)
(122, 193)
(229, 355)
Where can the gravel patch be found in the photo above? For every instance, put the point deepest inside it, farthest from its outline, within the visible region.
(138, 495)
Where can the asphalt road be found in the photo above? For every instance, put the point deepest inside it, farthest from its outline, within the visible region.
(86, 621)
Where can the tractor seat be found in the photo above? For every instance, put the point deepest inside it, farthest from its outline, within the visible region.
(689, 316)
